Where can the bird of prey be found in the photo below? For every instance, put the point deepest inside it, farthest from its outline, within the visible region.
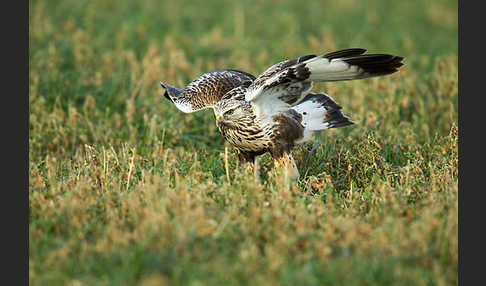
(276, 111)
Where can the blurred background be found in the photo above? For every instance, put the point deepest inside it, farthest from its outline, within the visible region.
(115, 52)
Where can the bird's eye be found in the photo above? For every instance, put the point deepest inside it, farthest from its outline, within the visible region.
(229, 112)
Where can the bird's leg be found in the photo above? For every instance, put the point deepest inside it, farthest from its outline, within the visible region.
(247, 159)
(286, 163)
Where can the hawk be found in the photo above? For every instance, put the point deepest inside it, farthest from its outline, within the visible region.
(276, 111)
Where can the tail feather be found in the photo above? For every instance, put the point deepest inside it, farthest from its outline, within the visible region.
(319, 112)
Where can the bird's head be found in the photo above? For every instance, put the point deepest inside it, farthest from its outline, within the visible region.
(229, 112)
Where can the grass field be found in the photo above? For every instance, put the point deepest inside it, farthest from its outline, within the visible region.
(126, 190)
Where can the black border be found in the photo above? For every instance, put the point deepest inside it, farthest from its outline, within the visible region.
(15, 119)
(471, 166)
(460, 151)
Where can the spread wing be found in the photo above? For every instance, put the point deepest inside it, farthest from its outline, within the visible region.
(285, 83)
(238, 92)
(207, 89)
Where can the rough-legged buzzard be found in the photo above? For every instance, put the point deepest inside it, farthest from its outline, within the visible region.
(275, 111)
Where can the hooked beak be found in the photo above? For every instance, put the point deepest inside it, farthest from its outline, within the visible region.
(225, 121)
(219, 118)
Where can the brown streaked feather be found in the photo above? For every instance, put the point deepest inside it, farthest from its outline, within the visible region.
(248, 157)
(210, 87)
(287, 129)
(237, 93)
(275, 69)
(207, 89)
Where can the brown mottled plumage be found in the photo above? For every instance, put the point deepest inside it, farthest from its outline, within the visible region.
(206, 90)
(274, 112)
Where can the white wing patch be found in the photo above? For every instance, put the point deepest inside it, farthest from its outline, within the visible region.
(312, 114)
(265, 106)
(324, 70)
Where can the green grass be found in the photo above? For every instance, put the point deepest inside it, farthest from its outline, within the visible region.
(126, 190)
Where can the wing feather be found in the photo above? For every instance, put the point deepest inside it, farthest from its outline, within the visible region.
(207, 89)
(282, 80)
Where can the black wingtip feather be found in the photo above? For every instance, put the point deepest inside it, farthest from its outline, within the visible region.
(345, 53)
(333, 116)
(323, 99)
(335, 119)
(305, 58)
(166, 93)
(376, 64)
(340, 122)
